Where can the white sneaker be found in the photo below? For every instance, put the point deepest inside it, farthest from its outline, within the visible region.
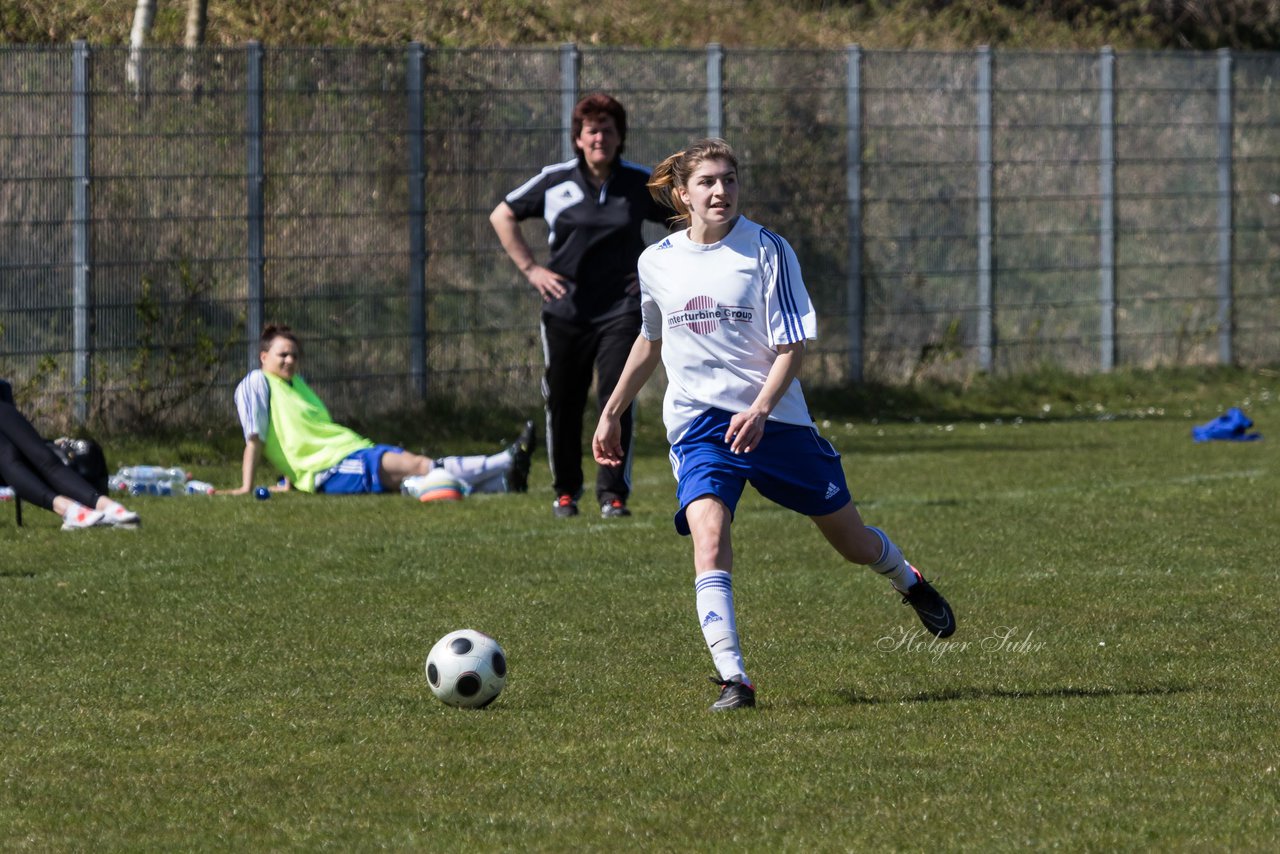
(118, 516)
(78, 516)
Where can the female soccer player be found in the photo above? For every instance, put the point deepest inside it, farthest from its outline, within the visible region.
(284, 420)
(726, 312)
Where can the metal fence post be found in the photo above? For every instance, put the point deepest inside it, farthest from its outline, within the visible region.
(82, 236)
(570, 67)
(417, 221)
(986, 320)
(855, 289)
(1106, 210)
(254, 188)
(715, 90)
(1226, 307)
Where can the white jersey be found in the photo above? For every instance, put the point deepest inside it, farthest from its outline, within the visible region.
(720, 310)
(253, 405)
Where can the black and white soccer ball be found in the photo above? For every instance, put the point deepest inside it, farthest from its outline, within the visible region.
(467, 669)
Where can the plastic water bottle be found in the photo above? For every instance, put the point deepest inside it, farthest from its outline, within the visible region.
(155, 487)
(142, 480)
(199, 487)
(149, 480)
(6, 493)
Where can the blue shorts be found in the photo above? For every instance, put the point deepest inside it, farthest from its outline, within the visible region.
(793, 466)
(357, 474)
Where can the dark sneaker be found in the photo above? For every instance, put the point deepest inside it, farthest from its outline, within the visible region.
(734, 695)
(614, 509)
(522, 459)
(564, 507)
(931, 608)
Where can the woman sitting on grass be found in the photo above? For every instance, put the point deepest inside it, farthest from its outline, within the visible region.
(36, 474)
(284, 420)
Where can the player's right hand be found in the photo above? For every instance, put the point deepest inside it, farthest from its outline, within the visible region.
(550, 284)
(606, 444)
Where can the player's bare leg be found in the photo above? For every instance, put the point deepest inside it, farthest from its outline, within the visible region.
(847, 533)
(394, 468)
(858, 543)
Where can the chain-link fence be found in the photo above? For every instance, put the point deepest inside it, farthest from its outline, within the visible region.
(953, 212)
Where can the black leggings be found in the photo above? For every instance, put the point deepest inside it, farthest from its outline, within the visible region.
(33, 470)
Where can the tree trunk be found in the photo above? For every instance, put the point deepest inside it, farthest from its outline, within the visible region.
(135, 71)
(197, 17)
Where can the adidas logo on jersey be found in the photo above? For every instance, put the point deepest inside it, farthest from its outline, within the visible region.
(665, 244)
(832, 491)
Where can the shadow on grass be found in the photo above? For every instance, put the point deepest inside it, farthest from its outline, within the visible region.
(954, 694)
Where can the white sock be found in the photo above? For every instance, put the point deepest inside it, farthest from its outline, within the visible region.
(714, 591)
(484, 473)
(892, 565)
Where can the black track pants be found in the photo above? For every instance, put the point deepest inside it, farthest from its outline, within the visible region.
(573, 352)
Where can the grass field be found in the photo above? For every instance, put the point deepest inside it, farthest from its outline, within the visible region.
(248, 675)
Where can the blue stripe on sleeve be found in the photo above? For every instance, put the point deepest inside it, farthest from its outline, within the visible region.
(790, 314)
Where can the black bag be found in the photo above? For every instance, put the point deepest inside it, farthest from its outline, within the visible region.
(85, 456)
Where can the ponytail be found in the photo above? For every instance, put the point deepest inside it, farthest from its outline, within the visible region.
(662, 186)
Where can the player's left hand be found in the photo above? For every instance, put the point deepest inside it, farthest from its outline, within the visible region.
(746, 429)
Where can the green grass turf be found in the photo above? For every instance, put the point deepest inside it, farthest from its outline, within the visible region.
(248, 675)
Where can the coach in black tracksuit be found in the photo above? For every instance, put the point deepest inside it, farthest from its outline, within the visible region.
(595, 206)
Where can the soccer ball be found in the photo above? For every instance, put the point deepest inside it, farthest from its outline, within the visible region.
(467, 669)
(436, 485)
